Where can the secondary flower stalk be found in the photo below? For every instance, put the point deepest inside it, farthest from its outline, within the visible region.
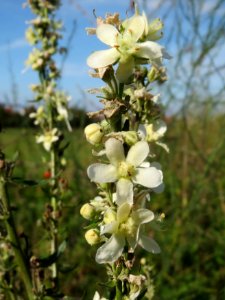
(44, 33)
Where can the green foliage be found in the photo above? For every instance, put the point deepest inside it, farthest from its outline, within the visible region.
(12, 118)
(192, 262)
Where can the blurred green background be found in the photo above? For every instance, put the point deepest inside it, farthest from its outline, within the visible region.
(192, 237)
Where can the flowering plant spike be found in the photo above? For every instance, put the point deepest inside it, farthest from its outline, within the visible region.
(44, 33)
(124, 138)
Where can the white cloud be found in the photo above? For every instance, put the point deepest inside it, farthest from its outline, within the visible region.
(16, 44)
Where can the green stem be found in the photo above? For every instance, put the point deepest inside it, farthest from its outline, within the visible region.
(10, 295)
(54, 241)
(14, 240)
(54, 228)
(121, 87)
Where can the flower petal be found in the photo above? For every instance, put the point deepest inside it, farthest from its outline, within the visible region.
(138, 153)
(96, 296)
(142, 216)
(132, 241)
(134, 28)
(111, 250)
(148, 177)
(123, 212)
(102, 173)
(114, 151)
(149, 244)
(124, 192)
(103, 58)
(142, 131)
(125, 69)
(109, 228)
(107, 34)
(149, 50)
(160, 127)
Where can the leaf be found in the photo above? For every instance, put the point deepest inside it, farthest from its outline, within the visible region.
(142, 293)
(25, 182)
(51, 259)
(62, 247)
(15, 156)
(63, 148)
(67, 269)
(91, 226)
(109, 284)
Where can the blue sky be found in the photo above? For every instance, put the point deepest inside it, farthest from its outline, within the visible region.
(14, 49)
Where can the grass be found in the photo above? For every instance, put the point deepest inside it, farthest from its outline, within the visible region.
(192, 238)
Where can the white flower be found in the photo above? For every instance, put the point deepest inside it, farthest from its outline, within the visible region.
(125, 47)
(39, 115)
(125, 171)
(62, 108)
(48, 138)
(99, 203)
(153, 31)
(97, 297)
(153, 132)
(126, 228)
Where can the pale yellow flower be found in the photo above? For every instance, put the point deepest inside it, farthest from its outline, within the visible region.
(126, 47)
(48, 138)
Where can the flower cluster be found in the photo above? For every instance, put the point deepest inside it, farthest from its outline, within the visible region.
(129, 127)
(131, 42)
(44, 34)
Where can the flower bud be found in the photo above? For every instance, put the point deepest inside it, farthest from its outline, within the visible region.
(92, 236)
(93, 133)
(105, 125)
(143, 261)
(87, 211)
(153, 74)
(130, 137)
(109, 217)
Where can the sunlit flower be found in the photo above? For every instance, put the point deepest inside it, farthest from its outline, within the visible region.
(126, 228)
(35, 59)
(126, 47)
(100, 204)
(125, 170)
(48, 138)
(39, 115)
(98, 297)
(153, 30)
(154, 132)
(136, 283)
(61, 101)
